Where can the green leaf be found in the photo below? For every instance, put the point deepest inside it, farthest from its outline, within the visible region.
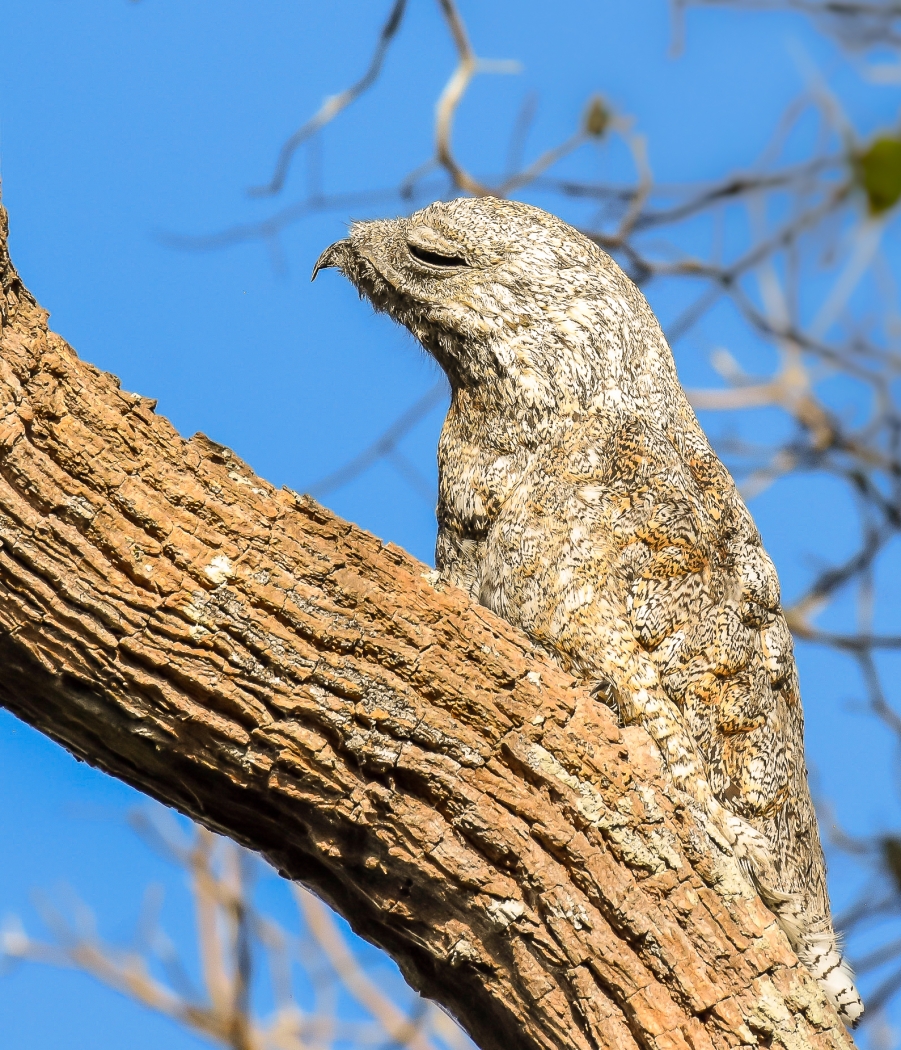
(597, 117)
(880, 173)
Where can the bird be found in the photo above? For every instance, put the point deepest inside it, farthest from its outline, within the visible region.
(580, 500)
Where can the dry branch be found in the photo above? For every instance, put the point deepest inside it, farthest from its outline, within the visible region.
(235, 944)
(240, 653)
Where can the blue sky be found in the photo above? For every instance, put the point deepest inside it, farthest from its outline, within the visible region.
(121, 123)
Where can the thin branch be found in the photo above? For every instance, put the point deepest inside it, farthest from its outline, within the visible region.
(334, 104)
(403, 1030)
(385, 446)
(452, 95)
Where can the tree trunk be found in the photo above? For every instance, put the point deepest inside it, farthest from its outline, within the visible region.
(241, 654)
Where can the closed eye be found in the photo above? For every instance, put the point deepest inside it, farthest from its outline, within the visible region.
(434, 258)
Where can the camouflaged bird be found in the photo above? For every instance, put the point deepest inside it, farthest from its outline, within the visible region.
(580, 500)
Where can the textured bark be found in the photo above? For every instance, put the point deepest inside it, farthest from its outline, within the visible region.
(240, 653)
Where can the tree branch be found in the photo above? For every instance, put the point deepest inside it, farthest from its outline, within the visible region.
(334, 104)
(240, 653)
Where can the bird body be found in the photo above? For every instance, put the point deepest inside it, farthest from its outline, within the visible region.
(580, 500)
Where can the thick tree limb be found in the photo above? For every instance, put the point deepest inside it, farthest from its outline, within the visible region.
(240, 653)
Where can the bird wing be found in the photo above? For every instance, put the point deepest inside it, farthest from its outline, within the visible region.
(638, 563)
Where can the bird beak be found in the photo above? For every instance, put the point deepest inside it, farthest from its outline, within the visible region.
(332, 256)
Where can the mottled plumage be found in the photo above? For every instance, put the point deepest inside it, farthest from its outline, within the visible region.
(580, 500)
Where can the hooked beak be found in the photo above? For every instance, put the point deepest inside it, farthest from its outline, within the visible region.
(333, 256)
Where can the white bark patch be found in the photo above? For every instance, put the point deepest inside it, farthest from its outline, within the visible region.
(220, 569)
(236, 477)
(505, 912)
(462, 952)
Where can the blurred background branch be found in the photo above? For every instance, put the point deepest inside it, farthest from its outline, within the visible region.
(252, 984)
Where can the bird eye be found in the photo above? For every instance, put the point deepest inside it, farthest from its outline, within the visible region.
(435, 258)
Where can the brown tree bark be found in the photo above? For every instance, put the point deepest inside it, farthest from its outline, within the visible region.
(238, 652)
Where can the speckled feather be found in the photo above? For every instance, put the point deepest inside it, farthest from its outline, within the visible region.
(580, 500)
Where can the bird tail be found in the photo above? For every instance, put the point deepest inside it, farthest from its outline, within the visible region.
(822, 954)
(820, 950)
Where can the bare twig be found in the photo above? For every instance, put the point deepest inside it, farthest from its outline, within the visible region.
(386, 446)
(229, 933)
(334, 104)
(454, 90)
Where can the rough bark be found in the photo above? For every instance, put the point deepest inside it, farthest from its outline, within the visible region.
(240, 653)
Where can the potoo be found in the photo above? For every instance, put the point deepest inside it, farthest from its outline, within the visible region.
(580, 500)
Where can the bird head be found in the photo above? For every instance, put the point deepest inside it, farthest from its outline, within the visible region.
(506, 297)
